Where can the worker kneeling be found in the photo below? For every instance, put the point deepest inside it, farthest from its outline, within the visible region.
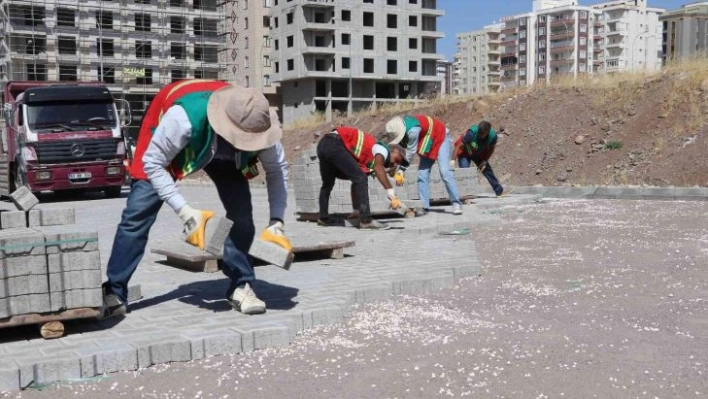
(350, 154)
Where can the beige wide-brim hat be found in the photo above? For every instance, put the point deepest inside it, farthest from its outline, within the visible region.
(242, 116)
(395, 130)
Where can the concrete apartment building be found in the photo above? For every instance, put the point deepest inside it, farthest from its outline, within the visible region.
(477, 68)
(444, 68)
(249, 45)
(685, 31)
(134, 46)
(350, 55)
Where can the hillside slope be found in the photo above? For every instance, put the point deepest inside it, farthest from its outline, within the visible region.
(568, 132)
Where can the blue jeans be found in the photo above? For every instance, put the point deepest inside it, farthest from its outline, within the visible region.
(140, 213)
(464, 162)
(445, 173)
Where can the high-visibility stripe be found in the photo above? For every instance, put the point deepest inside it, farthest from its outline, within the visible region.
(181, 85)
(359, 144)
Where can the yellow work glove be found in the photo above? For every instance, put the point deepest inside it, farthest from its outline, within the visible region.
(194, 224)
(395, 201)
(275, 233)
(399, 178)
(482, 166)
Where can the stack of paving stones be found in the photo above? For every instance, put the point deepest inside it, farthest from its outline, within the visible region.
(47, 265)
(305, 174)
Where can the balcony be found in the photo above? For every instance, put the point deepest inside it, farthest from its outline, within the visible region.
(432, 33)
(562, 34)
(563, 22)
(509, 67)
(317, 3)
(510, 42)
(615, 64)
(494, 73)
(509, 30)
(319, 26)
(318, 50)
(494, 51)
(436, 56)
(494, 40)
(617, 44)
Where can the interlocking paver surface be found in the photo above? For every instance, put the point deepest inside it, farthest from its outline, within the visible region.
(180, 308)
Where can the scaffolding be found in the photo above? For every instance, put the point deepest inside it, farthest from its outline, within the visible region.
(134, 46)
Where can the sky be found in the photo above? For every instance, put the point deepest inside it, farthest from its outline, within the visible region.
(469, 15)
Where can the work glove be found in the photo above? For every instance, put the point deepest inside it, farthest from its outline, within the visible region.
(395, 201)
(399, 178)
(195, 221)
(482, 166)
(275, 233)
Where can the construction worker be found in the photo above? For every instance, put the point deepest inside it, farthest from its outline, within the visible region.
(224, 130)
(350, 154)
(430, 139)
(477, 146)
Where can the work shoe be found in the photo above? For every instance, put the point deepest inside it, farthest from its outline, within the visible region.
(421, 212)
(112, 305)
(456, 209)
(326, 223)
(245, 300)
(373, 225)
(505, 192)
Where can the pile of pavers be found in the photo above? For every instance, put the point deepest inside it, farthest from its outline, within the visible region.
(305, 175)
(47, 266)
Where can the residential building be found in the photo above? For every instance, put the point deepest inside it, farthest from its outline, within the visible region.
(350, 55)
(630, 36)
(444, 70)
(478, 61)
(249, 45)
(134, 48)
(685, 31)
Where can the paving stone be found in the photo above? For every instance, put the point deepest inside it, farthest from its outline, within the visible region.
(108, 359)
(58, 369)
(13, 219)
(9, 378)
(83, 298)
(34, 218)
(19, 242)
(170, 351)
(24, 266)
(4, 308)
(69, 238)
(25, 285)
(57, 216)
(373, 293)
(77, 261)
(204, 345)
(23, 199)
(25, 304)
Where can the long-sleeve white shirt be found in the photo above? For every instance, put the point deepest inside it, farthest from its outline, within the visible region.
(172, 135)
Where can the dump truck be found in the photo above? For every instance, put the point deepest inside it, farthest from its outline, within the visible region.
(59, 136)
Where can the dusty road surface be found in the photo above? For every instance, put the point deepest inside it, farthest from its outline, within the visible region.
(605, 299)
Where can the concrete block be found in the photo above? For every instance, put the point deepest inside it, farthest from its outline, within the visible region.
(373, 293)
(72, 261)
(3, 288)
(53, 263)
(53, 370)
(108, 359)
(58, 216)
(83, 298)
(24, 265)
(134, 293)
(25, 285)
(34, 218)
(23, 241)
(56, 301)
(221, 344)
(80, 279)
(9, 378)
(13, 219)
(170, 351)
(25, 304)
(217, 229)
(4, 308)
(271, 253)
(23, 199)
(69, 238)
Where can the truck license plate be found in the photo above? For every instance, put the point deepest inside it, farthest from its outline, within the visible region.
(79, 176)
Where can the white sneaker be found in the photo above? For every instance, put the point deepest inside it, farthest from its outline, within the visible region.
(245, 300)
(456, 209)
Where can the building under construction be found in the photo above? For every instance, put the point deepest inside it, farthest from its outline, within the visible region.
(134, 46)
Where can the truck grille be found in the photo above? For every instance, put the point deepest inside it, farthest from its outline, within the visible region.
(76, 151)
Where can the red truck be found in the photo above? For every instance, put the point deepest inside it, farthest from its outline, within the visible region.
(61, 137)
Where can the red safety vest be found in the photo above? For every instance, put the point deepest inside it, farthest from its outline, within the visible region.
(164, 99)
(431, 137)
(360, 145)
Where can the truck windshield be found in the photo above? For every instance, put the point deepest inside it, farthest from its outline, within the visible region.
(58, 117)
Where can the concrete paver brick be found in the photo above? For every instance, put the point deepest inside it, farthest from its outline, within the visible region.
(24, 265)
(4, 308)
(57, 216)
(57, 369)
(34, 218)
(13, 219)
(23, 199)
(9, 378)
(77, 261)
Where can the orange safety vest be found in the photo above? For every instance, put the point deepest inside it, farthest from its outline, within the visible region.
(432, 136)
(360, 145)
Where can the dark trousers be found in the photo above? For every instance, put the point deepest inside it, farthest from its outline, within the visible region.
(141, 210)
(338, 163)
(464, 162)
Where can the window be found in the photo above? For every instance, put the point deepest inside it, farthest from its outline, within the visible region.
(345, 62)
(266, 41)
(392, 44)
(206, 53)
(246, 62)
(368, 42)
(583, 15)
(412, 43)
(177, 74)
(291, 41)
(104, 47)
(346, 15)
(369, 1)
(522, 59)
(542, 19)
(291, 64)
(147, 79)
(368, 19)
(522, 72)
(583, 41)
(245, 22)
(542, 57)
(583, 54)
(542, 70)
(275, 22)
(266, 21)
(245, 42)
(277, 44)
(108, 75)
(266, 3)
(368, 65)
(266, 80)
(522, 34)
(412, 20)
(104, 19)
(266, 61)
(65, 17)
(412, 66)
(245, 4)
(176, 3)
(391, 67)
(522, 22)
(522, 47)
(67, 73)
(583, 28)
(346, 38)
(412, 1)
(176, 24)
(277, 67)
(35, 45)
(67, 45)
(178, 51)
(142, 22)
(542, 44)
(392, 21)
(289, 18)
(36, 72)
(143, 49)
(392, 2)
(541, 31)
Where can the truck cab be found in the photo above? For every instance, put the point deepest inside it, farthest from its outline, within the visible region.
(62, 137)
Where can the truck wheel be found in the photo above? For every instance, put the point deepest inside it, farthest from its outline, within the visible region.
(113, 191)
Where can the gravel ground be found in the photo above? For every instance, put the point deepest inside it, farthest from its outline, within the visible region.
(577, 299)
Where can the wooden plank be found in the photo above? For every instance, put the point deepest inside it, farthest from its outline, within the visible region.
(37, 318)
(52, 329)
(206, 266)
